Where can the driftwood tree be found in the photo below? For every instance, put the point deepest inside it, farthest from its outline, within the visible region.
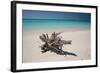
(54, 43)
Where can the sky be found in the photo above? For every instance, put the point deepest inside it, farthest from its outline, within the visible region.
(33, 14)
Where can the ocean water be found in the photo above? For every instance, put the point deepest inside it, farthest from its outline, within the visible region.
(36, 24)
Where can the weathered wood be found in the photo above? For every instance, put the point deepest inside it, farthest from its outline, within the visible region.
(54, 44)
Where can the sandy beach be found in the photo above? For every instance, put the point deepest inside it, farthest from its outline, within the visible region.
(81, 45)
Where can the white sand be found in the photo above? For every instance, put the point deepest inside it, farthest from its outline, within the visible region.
(80, 46)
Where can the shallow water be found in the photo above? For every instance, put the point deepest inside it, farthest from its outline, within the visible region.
(53, 24)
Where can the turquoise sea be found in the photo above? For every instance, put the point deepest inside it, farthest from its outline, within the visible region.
(53, 24)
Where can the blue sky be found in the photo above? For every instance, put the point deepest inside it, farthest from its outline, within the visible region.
(33, 14)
